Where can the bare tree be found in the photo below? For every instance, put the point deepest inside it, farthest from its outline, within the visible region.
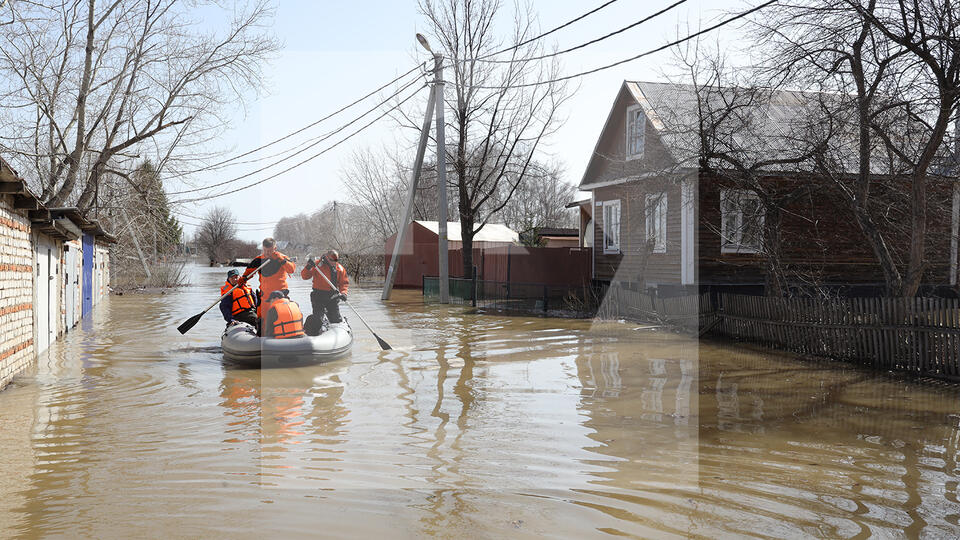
(540, 201)
(377, 182)
(891, 70)
(217, 234)
(497, 123)
(88, 88)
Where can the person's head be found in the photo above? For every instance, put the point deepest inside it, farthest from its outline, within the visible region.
(332, 255)
(269, 246)
(275, 295)
(233, 276)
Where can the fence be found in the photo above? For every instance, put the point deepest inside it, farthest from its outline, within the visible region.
(518, 297)
(915, 335)
(918, 335)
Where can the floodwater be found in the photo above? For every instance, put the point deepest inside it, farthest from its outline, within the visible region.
(479, 426)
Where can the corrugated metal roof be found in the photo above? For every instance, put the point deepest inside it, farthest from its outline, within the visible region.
(491, 232)
(764, 125)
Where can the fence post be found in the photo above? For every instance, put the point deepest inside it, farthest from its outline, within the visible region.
(544, 298)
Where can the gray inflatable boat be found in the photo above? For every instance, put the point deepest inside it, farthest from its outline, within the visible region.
(241, 344)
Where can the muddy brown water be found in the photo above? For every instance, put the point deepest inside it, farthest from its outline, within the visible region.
(477, 425)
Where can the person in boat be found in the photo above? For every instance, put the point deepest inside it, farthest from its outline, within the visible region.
(282, 319)
(273, 276)
(325, 299)
(241, 304)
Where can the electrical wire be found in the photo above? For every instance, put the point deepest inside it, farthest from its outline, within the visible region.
(632, 58)
(225, 162)
(547, 33)
(582, 45)
(312, 144)
(308, 159)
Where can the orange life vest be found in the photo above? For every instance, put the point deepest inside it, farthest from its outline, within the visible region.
(242, 298)
(289, 323)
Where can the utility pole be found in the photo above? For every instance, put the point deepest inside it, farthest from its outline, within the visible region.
(411, 195)
(434, 105)
(443, 256)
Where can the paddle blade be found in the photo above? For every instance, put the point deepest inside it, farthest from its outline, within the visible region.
(189, 323)
(383, 344)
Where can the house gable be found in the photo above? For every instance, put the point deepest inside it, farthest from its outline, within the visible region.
(610, 161)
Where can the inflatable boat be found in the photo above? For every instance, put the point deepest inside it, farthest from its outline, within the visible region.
(242, 345)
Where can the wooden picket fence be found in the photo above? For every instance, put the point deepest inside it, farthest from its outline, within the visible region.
(916, 335)
(691, 312)
(919, 335)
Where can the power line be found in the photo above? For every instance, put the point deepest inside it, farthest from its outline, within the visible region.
(632, 58)
(203, 218)
(314, 156)
(582, 45)
(547, 33)
(221, 164)
(314, 143)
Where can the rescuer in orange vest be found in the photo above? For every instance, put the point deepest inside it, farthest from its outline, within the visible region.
(241, 303)
(273, 276)
(323, 298)
(283, 319)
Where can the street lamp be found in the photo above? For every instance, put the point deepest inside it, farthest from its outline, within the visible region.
(420, 37)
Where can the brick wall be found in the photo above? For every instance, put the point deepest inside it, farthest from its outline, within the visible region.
(16, 292)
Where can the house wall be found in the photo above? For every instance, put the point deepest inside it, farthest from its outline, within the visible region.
(16, 292)
(634, 263)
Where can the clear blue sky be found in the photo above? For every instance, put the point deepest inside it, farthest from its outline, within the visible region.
(335, 52)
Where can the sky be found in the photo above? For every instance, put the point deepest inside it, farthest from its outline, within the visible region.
(334, 52)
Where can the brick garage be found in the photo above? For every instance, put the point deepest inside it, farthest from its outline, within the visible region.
(37, 274)
(16, 291)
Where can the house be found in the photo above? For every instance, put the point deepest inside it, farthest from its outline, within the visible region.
(39, 272)
(660, 220)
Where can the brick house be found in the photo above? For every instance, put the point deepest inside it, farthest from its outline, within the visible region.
(661, 222)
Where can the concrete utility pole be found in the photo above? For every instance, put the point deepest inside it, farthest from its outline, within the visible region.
(955, 214)
(434, 105)
(444, 261)
(411, 192)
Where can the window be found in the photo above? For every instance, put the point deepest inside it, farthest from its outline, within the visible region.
(741, 224)
(611, 226)
(656, 213)
(636, 124)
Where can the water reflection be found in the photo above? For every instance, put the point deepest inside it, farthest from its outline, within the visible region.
(476, 426)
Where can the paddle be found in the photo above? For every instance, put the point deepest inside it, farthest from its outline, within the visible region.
(383, 344)
(192, 321)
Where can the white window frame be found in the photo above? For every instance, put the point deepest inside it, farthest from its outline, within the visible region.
(655, 211)
(732, 241)
(614, 246)
(635, 151)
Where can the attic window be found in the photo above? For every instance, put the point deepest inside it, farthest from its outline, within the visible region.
(636, 123)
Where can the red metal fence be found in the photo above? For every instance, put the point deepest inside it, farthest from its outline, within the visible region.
(512, 264)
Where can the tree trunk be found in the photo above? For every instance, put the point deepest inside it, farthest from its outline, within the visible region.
(466, 234)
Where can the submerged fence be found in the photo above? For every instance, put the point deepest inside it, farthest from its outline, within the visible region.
(916, 335)
(919, 335)
(519, 297)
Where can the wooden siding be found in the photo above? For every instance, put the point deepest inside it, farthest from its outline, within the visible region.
(609, 163)
(821, 239)
(634, 264)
